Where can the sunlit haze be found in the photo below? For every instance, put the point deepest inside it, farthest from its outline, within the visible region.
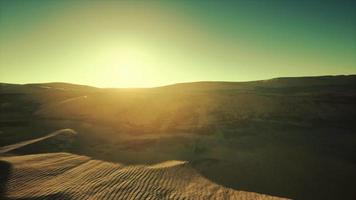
(147, 44)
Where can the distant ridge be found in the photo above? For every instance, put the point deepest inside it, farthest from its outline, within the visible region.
(316, 79)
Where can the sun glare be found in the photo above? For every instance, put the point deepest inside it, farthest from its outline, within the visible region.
(128, 73)
(129, 66)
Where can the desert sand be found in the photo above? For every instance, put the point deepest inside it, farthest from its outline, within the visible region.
(70, 176)
(284, 137)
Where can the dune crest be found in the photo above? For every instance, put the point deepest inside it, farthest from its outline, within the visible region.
(11, 147)
(170, 163)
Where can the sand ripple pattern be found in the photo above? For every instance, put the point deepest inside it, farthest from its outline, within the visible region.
(69, 176)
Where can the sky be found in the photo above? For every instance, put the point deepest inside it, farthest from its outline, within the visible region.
(154, 43)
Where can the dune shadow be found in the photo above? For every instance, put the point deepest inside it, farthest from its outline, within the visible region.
(49, 197)
(5, 171)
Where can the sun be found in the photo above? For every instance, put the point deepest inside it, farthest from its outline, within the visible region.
(129, 66)
(129, 63)
(129, 74)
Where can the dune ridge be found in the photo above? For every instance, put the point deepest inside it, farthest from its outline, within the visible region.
(11, 147)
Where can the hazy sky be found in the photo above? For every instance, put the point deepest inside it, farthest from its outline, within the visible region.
(144, 44)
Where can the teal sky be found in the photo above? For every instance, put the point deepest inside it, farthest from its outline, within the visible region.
(153, 43)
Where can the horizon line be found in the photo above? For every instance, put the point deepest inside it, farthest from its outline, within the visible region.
(178, 83)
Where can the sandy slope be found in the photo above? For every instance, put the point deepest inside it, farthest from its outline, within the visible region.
(69, 176)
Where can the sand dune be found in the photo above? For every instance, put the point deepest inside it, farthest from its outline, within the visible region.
(288, 137)
(69, 176)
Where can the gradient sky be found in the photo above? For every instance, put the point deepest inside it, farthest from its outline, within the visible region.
(145, 44)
